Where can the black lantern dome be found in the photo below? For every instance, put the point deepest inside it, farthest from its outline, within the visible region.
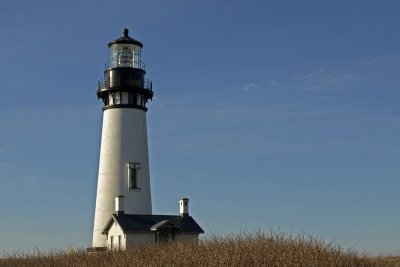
(124, 84)
(126, 39)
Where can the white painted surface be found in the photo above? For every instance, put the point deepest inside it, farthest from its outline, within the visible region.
(184, 206)
(117, 237)
(135, 239)
(124, 139)
(119, 203)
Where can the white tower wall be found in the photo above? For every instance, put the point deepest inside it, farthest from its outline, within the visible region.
(123, 141)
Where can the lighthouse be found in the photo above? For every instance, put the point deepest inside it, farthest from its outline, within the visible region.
(123, 214)
(124, 157)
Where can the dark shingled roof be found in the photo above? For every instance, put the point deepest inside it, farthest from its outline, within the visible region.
(144, 223)
(164, 224)
(125, 40)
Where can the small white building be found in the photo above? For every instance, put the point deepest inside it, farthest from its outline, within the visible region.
(124, 230)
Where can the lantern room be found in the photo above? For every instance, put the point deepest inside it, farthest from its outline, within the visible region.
(124, 84)
(125, 52)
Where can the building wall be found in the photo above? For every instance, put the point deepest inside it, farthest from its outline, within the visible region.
(120, 240)
(117, 237)
(124, 139)
(134, 239)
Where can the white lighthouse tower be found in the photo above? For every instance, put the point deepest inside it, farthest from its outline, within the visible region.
(124, 159)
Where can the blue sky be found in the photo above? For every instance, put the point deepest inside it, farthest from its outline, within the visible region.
(267, 114)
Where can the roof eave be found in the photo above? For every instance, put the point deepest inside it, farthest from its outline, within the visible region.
(150, 231)
(113, 218)
(132, 41)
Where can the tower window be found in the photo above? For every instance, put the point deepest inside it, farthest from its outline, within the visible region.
(117, 98)
(133, 175)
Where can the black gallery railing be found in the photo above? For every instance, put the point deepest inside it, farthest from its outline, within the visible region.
(107, 84)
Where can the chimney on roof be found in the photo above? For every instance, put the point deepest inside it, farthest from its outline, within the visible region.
(184, 207)
(119, 205)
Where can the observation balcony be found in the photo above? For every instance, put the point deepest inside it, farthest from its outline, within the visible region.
(104, 85)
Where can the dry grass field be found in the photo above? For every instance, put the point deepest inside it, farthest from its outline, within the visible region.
(251, 249)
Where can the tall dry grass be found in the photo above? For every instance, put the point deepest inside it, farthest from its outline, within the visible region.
(248, 249)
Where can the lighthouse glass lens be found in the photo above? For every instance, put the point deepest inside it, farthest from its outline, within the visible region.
(125, 57)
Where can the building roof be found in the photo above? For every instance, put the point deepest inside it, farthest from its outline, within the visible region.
(147, 223)
(126, 39)
(164, 224)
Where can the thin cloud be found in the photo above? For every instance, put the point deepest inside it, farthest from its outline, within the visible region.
(325, 81)
(316, 81)
(249, 87)
(257, 86)
(369, 60)
(229, 123)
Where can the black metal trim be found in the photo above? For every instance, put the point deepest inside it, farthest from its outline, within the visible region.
(115, 68)
(141, 91)
(125, 40)
(125, 106)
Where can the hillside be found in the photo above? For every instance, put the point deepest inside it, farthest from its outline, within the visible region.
(255, 249)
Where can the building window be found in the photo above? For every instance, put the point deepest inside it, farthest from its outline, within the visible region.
(164, 236)
(133, 175)
(117, 98)
(132, 99)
